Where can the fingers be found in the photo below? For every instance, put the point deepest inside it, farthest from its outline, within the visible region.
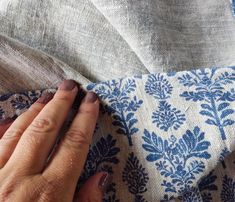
(94, 188)
(68, 160)
(37, 140)
(13, 131)
(4, 125)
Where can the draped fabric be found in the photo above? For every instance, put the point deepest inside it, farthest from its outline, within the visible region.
(162, 136)
(164, 71)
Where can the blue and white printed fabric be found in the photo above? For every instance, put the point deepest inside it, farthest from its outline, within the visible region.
(164, 136)
(233, 6)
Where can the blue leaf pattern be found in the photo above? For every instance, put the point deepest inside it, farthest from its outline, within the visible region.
(181, 137)
(158, 87)
(24, 100)
(233, 8)
(225, 152)
(228, 190)
(176, 159)
(122, 106)
(110, 195)
(101, 157)
(206, 186)
(135, 177)
(208, 89)
(166, 117)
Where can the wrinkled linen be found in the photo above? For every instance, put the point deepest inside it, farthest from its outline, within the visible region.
(31, 69)
(163, 136)
(104, 39)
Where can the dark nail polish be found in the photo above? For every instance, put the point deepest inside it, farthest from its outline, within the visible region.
(105, 181)
(45, 97)
(67, 85)
(6, 121)
(90, 97)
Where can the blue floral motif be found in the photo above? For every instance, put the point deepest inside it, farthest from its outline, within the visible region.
(25, 100)
(5, 97)
(166, 117)
(209, 90)
(21, 100)
(233, 6)
(207, 185)
(228, 190)
(225, 152)
(167, 198)
(190, 194)
(228, 96)
(135, 177)
(177, 159)
(122, 106)
(110, 195)
(101, 157)
(158, 86)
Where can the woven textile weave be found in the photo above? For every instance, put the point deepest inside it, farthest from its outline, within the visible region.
(163, 136)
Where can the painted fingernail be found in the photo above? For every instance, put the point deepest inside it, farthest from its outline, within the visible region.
(6, 121)
(105, 181)
(90, 97)
(67, 85)
(45, 98)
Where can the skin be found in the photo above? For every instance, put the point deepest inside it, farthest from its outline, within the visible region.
(25, 175)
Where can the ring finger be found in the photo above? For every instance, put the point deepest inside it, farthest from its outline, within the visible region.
(38, 139)
(13, 131)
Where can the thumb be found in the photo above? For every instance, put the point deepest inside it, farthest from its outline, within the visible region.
(94, 188)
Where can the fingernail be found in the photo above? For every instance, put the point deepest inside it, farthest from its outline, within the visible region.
(90, 97)
(67, 85)
(6, 121)
(105, 181)
(45, 98)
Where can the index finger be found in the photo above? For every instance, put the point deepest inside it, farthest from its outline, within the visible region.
(68, 161)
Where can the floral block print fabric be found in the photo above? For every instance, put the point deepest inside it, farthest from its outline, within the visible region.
(164, 137)
(233, 6)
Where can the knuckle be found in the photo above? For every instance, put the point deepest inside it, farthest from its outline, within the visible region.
(76, 139)
(35, 108)
(12, 134)
(49, 189)
(43, 125)
(7, 188)
(65, 97)
(88, 109)
(49, 184)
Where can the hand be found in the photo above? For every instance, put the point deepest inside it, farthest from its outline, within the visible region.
(25, 174)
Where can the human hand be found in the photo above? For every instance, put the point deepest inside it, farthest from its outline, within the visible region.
(25, 174)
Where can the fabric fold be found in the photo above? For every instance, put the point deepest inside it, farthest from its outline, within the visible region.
(74, 32)
(174, 35)
(30, 68)
(163, 136)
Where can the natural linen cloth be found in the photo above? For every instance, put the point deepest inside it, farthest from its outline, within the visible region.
(103, 39)
(162, 136)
